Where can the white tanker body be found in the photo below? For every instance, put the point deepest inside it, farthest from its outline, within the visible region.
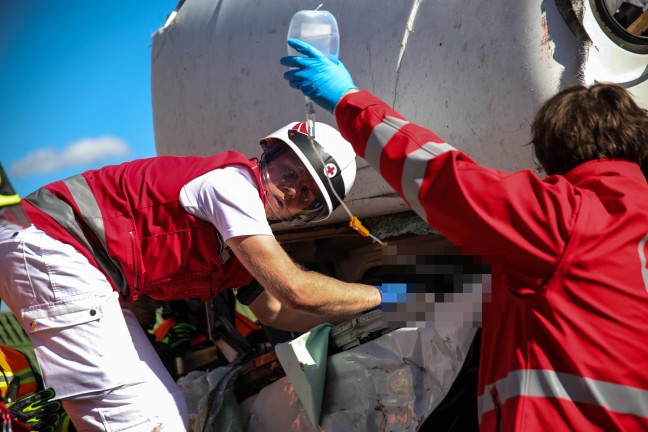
(473, 71)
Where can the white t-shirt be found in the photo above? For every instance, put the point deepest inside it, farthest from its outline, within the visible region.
(228, 198)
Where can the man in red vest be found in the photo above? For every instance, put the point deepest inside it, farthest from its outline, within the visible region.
(168, 228)
(564, 334)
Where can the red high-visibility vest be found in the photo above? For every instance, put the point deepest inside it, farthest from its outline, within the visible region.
(128, 221)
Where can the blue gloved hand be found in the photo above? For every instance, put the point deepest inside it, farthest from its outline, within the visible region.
(392, 293)
(321, 79)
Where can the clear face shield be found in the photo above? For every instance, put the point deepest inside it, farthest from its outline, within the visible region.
(291, 191)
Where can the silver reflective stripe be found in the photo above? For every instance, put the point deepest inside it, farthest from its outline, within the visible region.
(552, 384)
(88, 206)
(414, 165)
(380, 136)
(63, 213)
(414, 170)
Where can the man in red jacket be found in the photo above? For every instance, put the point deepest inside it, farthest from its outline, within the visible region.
(564, 336)
(168, 228)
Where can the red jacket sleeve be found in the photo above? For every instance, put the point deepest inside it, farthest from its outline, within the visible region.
(518, 217)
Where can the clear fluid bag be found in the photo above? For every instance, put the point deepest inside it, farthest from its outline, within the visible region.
(317, 28)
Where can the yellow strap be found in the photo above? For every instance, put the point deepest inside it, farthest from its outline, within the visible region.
(6, 200)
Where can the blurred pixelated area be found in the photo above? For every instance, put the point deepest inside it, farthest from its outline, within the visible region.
(437, 287)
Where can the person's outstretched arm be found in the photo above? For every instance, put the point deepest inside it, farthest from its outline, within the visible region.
(269, 311)
(484, 210)
(296, 288)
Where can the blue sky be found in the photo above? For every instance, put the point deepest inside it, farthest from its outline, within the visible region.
(75, 86)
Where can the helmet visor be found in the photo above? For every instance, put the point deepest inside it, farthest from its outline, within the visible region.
(291, 191)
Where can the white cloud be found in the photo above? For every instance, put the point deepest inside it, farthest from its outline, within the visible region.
(78, 153)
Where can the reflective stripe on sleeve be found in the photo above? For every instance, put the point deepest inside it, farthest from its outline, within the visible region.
(551, 384)
(414, 165)
(380, 136)
(414, 169)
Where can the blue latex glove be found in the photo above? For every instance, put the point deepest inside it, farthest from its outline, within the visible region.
(321, 79)
(392, 293)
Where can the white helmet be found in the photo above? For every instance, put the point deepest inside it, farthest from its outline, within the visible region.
(329, 157)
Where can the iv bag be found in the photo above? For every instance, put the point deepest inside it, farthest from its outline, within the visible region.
(317, 28)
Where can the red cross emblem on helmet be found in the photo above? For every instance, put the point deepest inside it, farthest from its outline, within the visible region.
(330, 170)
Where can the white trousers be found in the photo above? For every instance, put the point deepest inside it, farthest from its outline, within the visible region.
(95, 355)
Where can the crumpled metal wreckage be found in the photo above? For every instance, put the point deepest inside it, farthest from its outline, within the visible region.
(390, 383)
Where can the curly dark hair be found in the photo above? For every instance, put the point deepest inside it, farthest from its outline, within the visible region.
(581, 123)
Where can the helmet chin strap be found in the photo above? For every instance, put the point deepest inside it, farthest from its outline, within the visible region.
(354, 222)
